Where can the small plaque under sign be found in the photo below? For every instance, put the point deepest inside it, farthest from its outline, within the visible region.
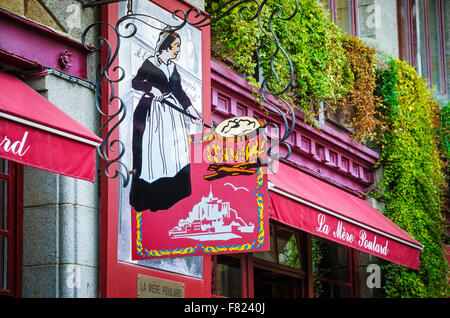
(152, 287)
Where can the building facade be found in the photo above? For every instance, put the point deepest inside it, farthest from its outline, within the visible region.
(65, 237)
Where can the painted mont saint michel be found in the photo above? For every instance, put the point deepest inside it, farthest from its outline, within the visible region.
(211, 219)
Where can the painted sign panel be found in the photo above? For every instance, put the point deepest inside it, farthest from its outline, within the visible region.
(193, 190)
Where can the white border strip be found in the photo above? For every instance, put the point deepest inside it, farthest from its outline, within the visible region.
(49, 129)
(272, 188)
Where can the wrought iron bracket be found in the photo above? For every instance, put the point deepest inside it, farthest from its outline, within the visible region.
(248, 10)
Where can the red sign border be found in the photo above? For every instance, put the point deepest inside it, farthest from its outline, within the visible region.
(261, 181)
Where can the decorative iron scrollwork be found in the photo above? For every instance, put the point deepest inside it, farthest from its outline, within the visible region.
(248, 10)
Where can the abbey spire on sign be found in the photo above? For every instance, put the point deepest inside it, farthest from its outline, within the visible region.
(211, 219)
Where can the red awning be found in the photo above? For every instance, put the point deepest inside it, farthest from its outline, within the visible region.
(36, 133)
(316, 207)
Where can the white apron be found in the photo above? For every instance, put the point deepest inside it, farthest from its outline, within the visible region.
(165, 147)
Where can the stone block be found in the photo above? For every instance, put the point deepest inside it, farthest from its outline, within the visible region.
(40, 236)
(16, 6)
(40, 281)
(198, 3)
(39, 187)
(60, 281)
(74, 99)
(79, 235)
(78, 281)
(35, 11)
(43, 187)
(57, 234)
(73, 17)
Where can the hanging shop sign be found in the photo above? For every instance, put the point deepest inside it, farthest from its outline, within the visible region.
(185, 188)
(216, 203)
(192, 189)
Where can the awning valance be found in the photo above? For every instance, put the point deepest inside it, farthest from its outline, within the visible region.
(306, 203)
(36, 133)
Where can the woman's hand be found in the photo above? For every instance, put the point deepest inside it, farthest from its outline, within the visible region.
(158, 96)
(198, 121)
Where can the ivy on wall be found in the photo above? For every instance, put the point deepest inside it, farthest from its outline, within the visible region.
(312, 41)
(360, 104)
(444, 146)
(330, 66)
(413, 184)
(338, 69)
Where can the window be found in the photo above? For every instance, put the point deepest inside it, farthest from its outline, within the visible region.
(433, 28)
(407, 29)
(226, 276)
(274, 284)
(446, 47)
(422, 40)
(344, 13)
(298, 265)
(9, 214)
(284, 248)
(331, 269)
(4, 233)
(280, 272)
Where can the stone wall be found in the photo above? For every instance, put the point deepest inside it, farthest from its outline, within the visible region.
(67, 17)
(61, 216)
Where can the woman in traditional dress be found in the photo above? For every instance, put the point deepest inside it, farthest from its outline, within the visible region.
(160, 145)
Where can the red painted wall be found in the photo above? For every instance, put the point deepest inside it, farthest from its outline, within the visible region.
(33, 43)
(119, 279)
(229, 95)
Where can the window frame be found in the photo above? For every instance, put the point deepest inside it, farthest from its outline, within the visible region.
(353, 15)
(301, 246)
(352, 267)
(13, 177)
(279, 268)
(244, 270)
(442, 47)
(409, 37)
(407, 31)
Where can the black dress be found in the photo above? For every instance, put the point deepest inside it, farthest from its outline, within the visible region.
(163, 192)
